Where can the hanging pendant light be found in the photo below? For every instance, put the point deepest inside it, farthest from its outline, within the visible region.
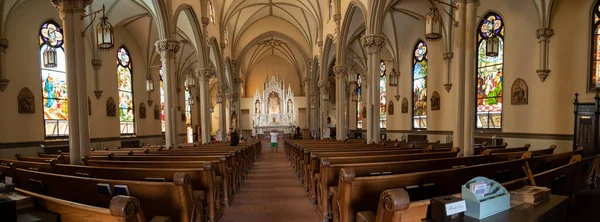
(492, 46)
(211, 108)
(191, 101)
(325, 96)
(433, 25)
(190, 81)
(149, 84)
(104, 32)
(50, 57)
(219, 97)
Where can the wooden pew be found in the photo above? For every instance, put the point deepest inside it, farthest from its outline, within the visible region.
(355, 193)
(120, 209)
(330, 172)
(564, 180)
(174, 200)
(488, 151)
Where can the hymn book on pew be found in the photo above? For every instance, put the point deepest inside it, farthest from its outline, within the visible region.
(531, 194)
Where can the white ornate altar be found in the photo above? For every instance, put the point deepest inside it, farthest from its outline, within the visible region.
(274, 109)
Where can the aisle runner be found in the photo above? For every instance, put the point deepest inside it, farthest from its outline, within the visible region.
(272, 192)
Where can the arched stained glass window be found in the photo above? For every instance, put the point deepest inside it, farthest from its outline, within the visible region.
(359, 99)
(420, 71)
(188, 107)
(162, 100)
(125, 87)
(211, 11)
(594, 81)
(382, 94)
(54, 81)
(489, 72)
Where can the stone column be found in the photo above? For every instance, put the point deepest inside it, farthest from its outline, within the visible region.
(167, 50)
(307, 94)
(97, 64)
(323, 86)
(373, 43)
(471, 73)
(3, 80)
(340, 102)
(459, 83)
(71, 12)
(203, 79)
(544, 35)
(222, 113)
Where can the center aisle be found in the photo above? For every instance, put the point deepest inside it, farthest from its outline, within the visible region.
(272, 192)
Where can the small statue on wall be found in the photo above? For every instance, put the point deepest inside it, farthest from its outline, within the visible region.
(391, 108)
(26, 101)
(156, 112)
(111, 108)
(142, 111)
(519, 92)
(435, 101)
(404, 105)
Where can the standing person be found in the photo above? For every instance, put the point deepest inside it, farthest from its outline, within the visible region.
(274, 141)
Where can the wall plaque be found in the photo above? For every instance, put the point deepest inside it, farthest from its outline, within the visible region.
(26, 101)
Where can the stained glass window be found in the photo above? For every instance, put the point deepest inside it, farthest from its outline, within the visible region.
(188, 107)
(359, 99)
(489, 73)
(211, 11)
(420, 70)
(54, 82)
(162, 100)
(595, 63)
(382, 98)
(125, 87)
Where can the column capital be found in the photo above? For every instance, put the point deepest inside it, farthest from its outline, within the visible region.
(3, 84)
(323, 84)
(205, 21)
(373, 43)
(167, 48)
(70, 6)
(340, 71)
(3, 45)
(544, 33)
(204, 74)
(97, 63)
(237, 80)
(337, 17)
(447, 56)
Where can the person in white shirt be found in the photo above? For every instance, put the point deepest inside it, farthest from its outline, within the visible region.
(274, 141)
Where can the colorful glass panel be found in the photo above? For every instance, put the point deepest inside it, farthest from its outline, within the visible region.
(489, 74)
(125, 89)
(359, 107)
(595, 63)
(420, 71)
(54, 82)
(188, 107)
(162, 101)
(382, 96)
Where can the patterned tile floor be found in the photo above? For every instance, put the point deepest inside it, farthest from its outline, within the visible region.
(272, 192)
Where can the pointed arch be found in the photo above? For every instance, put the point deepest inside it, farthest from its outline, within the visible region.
(54, 81)
(490, 30)
(419, 83)
(125, 90)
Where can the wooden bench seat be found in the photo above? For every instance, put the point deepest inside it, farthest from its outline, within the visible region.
(175, 200)
(564, 180)
(330, 172)
(489, 151)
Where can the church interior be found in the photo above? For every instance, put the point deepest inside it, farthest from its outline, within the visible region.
(299, 110)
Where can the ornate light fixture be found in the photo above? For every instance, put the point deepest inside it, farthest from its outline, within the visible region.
(492, 46)
(352, 78)
(433, 25)
(104, 31)
(211, 108)
(191, 101)
(50, 57)
(190, 80)
(149, 84)
(394, 78)
(325, 96)
(219, 97)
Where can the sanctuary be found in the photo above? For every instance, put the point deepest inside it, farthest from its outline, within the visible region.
(273, 107)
